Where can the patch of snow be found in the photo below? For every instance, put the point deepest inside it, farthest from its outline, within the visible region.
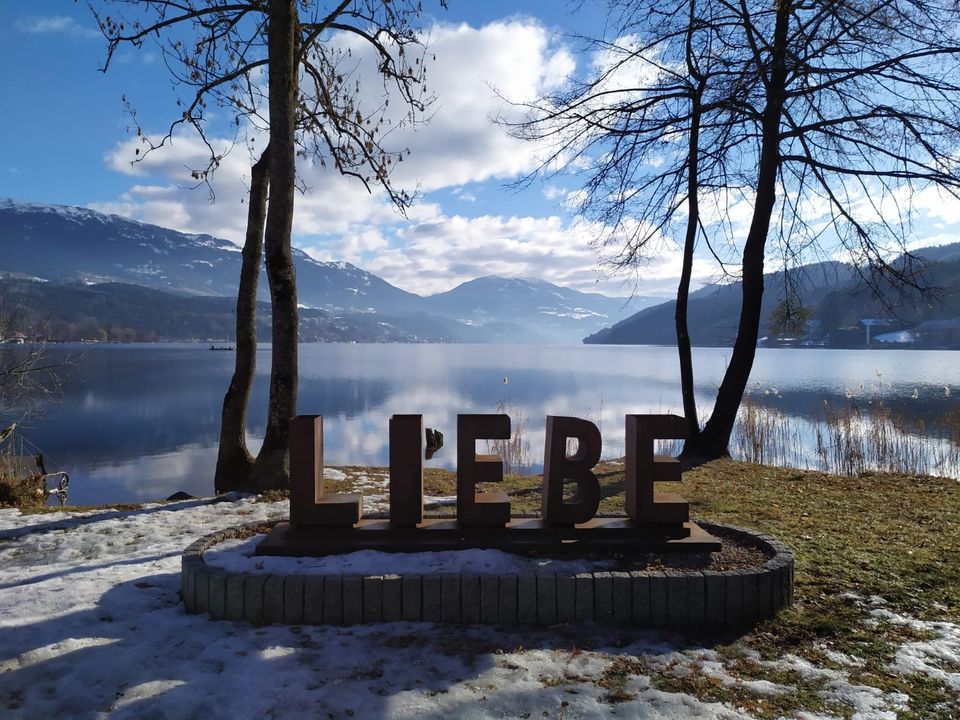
(764, 688)
(238, 556)
(927, 657)
(842, 658)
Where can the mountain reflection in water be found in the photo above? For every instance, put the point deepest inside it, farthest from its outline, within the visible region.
(141, 421)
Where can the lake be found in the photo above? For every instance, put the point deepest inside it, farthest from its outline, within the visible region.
(140, 422)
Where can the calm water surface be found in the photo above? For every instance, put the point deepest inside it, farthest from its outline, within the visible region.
(142, 421)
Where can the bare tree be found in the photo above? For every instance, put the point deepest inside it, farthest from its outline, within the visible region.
(825, 117)
(28, 375)
(639, 125)
(858, 112)
(317, 107)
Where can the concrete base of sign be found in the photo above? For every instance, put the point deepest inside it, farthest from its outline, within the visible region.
(519, 535)
(672, 598)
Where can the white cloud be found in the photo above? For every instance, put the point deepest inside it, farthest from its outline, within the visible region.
(433, 249)
(437, 255)
(474, 67)
(54, 24)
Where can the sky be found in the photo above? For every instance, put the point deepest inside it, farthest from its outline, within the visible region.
(68, 139)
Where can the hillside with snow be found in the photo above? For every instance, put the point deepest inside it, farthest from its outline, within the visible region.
(76, 246)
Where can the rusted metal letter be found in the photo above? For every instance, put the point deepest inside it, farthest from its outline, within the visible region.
(558, 467)
(309, 504)
(475, 508)
(643, 468)
(406, 470)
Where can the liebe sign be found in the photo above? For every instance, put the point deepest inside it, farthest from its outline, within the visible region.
(323, 523)
(310, 505)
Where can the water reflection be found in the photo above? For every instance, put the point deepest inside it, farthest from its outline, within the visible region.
(140, 422)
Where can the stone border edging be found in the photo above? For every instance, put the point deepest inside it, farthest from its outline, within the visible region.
(665, 599)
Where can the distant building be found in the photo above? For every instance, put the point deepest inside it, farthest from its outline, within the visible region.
(870, 323)
(939, 333)
(17, 338)
(900, 337)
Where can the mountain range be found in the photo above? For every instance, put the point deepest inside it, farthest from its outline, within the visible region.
(835, 297)
(83, 268)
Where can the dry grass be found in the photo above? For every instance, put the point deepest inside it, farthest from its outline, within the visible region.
(20, 483)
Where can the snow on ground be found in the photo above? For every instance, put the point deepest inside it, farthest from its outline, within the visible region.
(91, 626)
(237, 556)
(931, 656)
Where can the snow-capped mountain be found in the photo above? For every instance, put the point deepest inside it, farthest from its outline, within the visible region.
(63, 244)
(555, 313)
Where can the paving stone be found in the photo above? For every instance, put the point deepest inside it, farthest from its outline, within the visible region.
(410, 598)
(450, 598)
(527, 598)
(253, 598)
(765, 595)
(566, 598)
(734, 605)
(715, 586)
(787, 580)
(392, 594)
(372, 599)
(235, 597)
(470, 599)
(333, 600)
(187, 585)
(622, 597)
(658, 599)
(641, 598)
(201, 579)
(273, 599)
(584, 609)
(508, 600)
(603, 597)
(490, 599)
(776, 587)
(697, 593)
(217, 594)
(352, 599)
(751, 592)
(430, 590)
(293, 596)
(792, 580)
(313, 599)
(678, 599)
(547, 598)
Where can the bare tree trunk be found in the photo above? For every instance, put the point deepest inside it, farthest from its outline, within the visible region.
(272, 467)
(714, 441)
(686, 271)
(234, 461)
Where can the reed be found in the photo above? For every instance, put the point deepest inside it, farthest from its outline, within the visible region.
(514, 452)
(848, 439)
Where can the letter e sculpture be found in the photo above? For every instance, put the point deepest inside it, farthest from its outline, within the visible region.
(475, 508)
(643, 468)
